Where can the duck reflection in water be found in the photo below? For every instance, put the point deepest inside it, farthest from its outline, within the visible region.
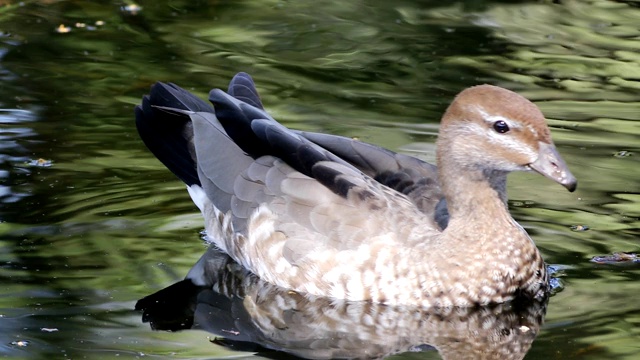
(223, 298)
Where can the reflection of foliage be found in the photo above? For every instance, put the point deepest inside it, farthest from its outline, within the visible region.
(6, 9)
(106, 213)
(578, 48)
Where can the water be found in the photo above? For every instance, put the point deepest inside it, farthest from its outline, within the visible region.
(106, 224)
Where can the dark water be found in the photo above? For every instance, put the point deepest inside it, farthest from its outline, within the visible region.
(105, 224)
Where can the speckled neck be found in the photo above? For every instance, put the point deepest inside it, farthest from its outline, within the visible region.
(481, 228)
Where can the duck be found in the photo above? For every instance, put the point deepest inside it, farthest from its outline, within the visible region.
(332, 216)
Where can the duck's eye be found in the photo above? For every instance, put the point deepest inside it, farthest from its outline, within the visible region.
(500, 126)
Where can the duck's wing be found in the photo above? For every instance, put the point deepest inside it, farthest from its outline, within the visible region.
(416, 179)
(281, 205)
(314, 184)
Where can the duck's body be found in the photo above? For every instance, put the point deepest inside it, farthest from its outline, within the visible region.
(332, 216)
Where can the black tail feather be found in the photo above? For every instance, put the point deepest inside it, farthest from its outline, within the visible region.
(168, 134)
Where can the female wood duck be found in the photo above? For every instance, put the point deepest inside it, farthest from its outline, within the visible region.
(331, 216)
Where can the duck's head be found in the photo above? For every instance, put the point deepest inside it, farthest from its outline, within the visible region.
(489, 128)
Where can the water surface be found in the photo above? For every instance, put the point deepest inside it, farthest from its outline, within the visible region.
(104, 223)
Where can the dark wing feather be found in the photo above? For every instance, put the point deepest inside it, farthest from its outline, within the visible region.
(242, 88)
(413, 177)
(258, 134)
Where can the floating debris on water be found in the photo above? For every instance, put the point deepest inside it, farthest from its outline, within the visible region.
(21, 343)
(63, 29)
(557, 270)
(40, 162)
(525, 203)
(555, 285)
(617, 258)
(579, 227)
(48, 329)
(623, 154)
(131, 9)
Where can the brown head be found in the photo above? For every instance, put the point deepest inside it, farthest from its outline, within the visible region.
(489, 128)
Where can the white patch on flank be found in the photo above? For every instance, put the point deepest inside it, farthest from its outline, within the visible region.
(261, 225)
(198, 196)
(338, 291)
(332, 276)
(282, 265)
(355, 287)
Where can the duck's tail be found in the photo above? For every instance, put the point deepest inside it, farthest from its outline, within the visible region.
(165, 127)
(164, 123)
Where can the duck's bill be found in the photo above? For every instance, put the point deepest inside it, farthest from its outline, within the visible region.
(551, 165)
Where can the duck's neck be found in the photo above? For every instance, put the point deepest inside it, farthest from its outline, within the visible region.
(473, 194)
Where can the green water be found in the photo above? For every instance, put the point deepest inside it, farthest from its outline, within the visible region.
(106, 224)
